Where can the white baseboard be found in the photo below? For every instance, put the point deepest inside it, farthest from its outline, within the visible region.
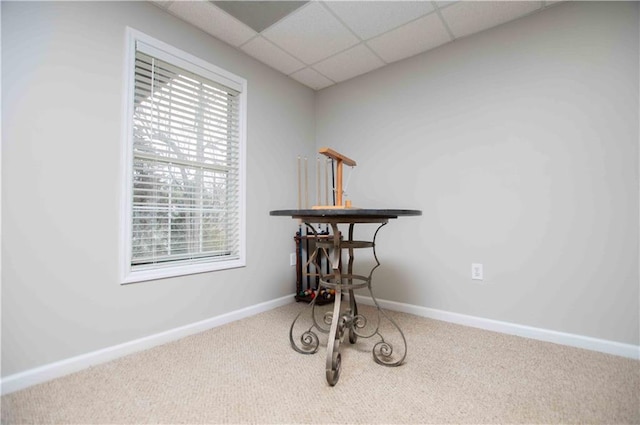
(573, 340)
(51, 371)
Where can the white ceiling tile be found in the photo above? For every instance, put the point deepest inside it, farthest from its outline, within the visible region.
(266, 52)
(326, 41)
(442, 4)
(409, 40)
(468, 17)
(311, 34)
(370, 18)
(311, 78)
(213, 20)
(350, 63)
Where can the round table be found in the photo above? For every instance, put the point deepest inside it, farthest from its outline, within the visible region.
(337, 323)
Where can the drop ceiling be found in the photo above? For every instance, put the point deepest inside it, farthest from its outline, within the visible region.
(321, 43)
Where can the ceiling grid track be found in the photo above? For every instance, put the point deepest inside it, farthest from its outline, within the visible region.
(320, 43)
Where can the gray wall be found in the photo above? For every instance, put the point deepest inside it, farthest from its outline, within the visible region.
(62, 88)
(520, 145)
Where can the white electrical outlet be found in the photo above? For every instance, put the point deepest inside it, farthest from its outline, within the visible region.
(476, 271)
(292, 259)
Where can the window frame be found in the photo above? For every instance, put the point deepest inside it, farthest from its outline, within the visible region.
(199, 66)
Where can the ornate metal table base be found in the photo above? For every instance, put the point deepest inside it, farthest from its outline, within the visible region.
(337, 323)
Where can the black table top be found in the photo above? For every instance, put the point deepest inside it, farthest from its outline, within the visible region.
(347, 213)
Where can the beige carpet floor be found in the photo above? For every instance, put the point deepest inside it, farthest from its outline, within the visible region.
(246, 372)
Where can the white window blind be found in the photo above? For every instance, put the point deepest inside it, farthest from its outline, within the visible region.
(186, 166)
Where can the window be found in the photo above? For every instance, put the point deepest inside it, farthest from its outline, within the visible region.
(185, 143)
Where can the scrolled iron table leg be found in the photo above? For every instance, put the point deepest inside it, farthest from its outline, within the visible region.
(309, 341)
(336, 331)
(383, 350)
(333, 345)
(353, 306)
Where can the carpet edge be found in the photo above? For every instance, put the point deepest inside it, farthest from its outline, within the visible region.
(573, 340)
(47, 372)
